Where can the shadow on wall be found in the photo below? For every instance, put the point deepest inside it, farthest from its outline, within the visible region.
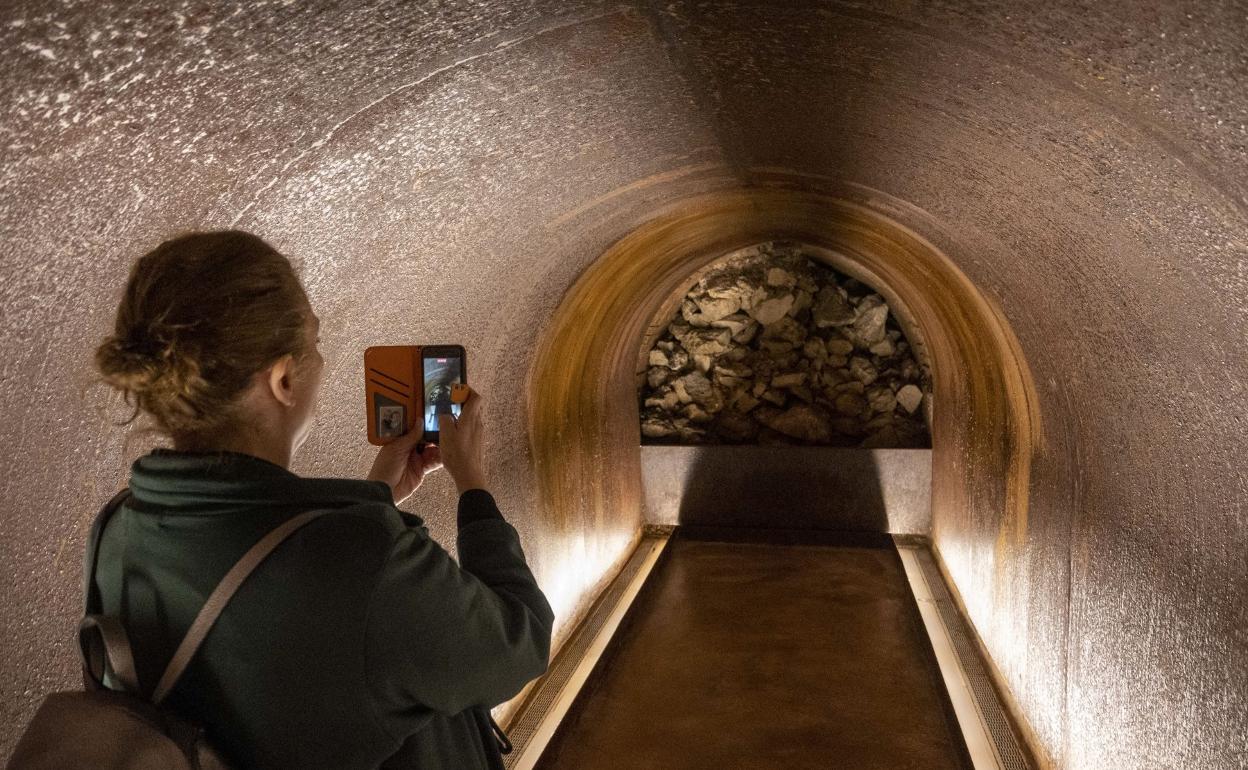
(781, 487)
(774, 487)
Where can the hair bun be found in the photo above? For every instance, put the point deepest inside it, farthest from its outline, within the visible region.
(141, 363)
(200, 315)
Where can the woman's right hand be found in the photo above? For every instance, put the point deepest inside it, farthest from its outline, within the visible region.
(460, 443)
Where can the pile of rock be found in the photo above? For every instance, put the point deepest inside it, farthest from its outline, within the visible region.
(771, 347)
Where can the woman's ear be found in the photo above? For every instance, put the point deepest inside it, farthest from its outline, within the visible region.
(281, 380)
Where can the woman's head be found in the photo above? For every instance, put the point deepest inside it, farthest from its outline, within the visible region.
(215, 336)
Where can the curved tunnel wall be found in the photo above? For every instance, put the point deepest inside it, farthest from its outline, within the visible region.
(986, 426)
(448, 172)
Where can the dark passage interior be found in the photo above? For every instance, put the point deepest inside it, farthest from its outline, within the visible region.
(1058, 191)
(763, 654)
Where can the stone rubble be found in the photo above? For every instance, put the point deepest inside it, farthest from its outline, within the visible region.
(772, 347)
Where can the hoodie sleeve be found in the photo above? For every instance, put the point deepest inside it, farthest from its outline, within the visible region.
(447, 636)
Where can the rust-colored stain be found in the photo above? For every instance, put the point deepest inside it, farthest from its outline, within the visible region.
(986, 422)
(583, 420)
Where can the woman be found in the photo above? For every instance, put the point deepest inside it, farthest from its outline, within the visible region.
(359, 643)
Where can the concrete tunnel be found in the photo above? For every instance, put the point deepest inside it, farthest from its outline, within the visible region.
(1058, 193)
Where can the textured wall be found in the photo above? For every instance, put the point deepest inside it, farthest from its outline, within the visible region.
(789, 487)
(446, 172)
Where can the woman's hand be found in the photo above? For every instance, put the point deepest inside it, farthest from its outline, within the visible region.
(402, 467)
(462, 442)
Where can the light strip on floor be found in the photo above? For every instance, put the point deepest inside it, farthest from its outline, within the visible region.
(535, 724)
(974, 729)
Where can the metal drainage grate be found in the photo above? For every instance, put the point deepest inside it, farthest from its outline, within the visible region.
(1010, 755)
(542, 698)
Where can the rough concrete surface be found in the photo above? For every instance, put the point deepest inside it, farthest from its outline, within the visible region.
(753, 656)
(779, 487)
(1075, 173)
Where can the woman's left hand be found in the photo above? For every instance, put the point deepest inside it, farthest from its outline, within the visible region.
(402, 467)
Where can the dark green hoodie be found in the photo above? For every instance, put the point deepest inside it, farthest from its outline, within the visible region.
(359, 643)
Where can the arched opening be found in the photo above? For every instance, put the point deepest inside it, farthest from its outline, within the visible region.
(583, 419)
(773, 344)
(784, 388)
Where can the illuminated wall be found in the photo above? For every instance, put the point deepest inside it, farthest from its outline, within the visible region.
(450, 173)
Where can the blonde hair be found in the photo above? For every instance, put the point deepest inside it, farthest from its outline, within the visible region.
(200, 315)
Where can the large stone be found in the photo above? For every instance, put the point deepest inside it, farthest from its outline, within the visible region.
(707, 342)
(734, 370)
(715, 308)
(689, 311)
(691, 435)
(738, 288)
(802, 392)
(696, 413)
(882, 348)
(771, 309)
(863, 370)
(734, 355)
(851, 386)
(734, 322)
(778, 276)
(667, 402)
(776, 348)
(697, 386)
(679, 328)
(909, 397)
(788, 380)
(785, 329)
(678, 387)
(870, 317)
(813, 349)
(656, 427)
(744, 336)
(831, 308)
(656, 376)
(802, 300)
(851, 404)
(840, 347)
(881, 400)
(808, 422)
(658, 358)
(776, 397)
(744, 402)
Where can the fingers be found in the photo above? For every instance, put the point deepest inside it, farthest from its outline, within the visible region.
(446, 424)
(472, 406)
(409, 439)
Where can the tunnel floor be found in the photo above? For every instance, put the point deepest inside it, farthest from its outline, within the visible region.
(762, 654)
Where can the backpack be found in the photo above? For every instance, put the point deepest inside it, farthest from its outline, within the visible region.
(106, 727)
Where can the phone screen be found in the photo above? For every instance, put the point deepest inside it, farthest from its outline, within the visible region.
(441, 372)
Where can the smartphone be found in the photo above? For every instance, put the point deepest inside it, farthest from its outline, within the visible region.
(392, 391)
(441, 368)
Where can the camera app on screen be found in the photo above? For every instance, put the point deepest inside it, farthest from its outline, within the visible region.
(440, 375)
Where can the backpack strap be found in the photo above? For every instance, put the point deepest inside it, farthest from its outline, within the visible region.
(111, 646)
(221, 595)
(102, 638)
(91, 554)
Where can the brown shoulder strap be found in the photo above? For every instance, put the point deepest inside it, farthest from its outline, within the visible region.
(221, 595)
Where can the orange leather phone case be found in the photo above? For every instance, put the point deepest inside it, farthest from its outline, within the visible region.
(394, 388)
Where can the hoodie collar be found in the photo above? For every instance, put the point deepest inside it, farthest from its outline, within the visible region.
(223, 481)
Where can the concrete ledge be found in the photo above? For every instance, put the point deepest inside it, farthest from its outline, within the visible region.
(823, 488)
